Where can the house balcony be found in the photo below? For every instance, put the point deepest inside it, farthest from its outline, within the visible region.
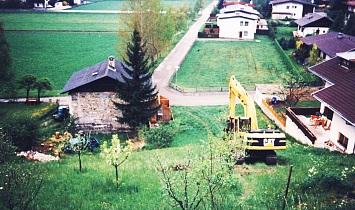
(309, 127)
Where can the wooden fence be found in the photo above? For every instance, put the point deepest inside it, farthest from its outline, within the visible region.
(272, 111)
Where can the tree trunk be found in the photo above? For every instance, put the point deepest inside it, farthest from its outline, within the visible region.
(80, 168)
(38, 96)
(27, 94)
(116, 167)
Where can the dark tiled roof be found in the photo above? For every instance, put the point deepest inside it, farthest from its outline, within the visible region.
(293, 1)
(93, 73)
(310, 18)
(340, 97)
(330, 44)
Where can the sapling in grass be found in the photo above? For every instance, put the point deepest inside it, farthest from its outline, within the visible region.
(116, 154)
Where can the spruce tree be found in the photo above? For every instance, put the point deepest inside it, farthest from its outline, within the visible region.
(138, 95)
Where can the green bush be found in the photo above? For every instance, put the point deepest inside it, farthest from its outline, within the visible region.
(325, 183)
(24, 131)
(160, 137)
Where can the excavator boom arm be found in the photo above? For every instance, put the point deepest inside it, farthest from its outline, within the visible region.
(237, 90)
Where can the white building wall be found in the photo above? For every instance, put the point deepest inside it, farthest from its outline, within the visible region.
(312, 31)
(293, 8)
(293, 130)
(231, 28)
(339, 126)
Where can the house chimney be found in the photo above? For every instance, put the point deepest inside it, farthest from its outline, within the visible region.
(111, 63)
(340, 35)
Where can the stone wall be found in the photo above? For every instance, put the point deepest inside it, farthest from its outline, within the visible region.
(95, 107)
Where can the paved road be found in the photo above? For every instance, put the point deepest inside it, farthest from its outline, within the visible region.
(167, 68)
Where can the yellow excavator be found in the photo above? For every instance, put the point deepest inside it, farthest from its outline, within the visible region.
(260, 143)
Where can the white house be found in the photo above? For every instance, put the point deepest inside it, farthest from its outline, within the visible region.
(290, 9)
(313, 24)
(338, 98)
(237, 21)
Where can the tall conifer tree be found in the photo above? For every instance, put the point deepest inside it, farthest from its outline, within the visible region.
(136, 91)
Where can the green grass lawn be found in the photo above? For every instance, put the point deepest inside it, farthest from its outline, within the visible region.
(211, 63)
(59, 21)
(283, 31)
(58, 55)
(258, 186)
(117, 5)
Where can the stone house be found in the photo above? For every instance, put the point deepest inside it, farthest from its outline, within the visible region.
(91, 92)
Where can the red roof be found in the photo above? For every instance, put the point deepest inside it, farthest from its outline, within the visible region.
(350, 3)
(236, 2)
(340, 97)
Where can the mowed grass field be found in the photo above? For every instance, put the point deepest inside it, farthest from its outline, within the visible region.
(117, 5)
(58, 55)
(59, 21)
(211, 63)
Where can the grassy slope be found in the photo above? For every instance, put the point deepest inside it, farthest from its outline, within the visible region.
(263, 186)
(211, 63)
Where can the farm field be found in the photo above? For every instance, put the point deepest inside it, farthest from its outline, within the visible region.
(58, 55)
(36, 21)
(313, 184)
(117, 5)
(211, 63)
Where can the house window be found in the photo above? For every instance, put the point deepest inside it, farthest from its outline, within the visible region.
(343, 140)
(294, 14)
(344, 63)
(241, 23)
(328, 113)
(295, 6)
(246, 23)
(287, 7)
(245, 33)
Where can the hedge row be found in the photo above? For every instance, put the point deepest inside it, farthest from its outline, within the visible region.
(285, 58)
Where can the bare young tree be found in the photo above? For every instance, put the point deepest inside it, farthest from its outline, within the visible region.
(295, 88)
(203, 180)
(19, 185)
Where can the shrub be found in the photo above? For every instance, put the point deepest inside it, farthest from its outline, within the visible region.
(23, 130)
(6, 146)
(325, 183)
(292, 43)
(160, 137)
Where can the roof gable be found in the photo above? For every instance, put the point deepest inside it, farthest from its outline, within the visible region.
(314, 19)
(331, 43)
(275, 2)
(340, 96)
(104, 69)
